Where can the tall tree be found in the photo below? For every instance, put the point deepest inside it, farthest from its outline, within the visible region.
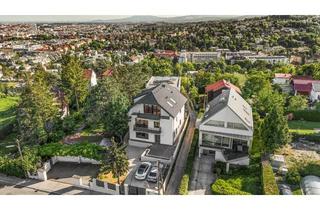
(73, 81)
(115, 161)
(37, 110)
(275, 130)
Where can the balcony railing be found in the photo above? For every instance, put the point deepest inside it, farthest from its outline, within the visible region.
(138, 127)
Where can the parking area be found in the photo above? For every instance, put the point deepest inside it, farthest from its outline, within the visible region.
(202, 175)
(63, 172)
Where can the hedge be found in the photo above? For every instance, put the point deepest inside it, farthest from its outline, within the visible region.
(308, 115)
(11, 166)
(221, 187)
(268, 180)
(84, 149)
(184, 184)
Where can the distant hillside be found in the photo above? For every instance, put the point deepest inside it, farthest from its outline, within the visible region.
(178, 19)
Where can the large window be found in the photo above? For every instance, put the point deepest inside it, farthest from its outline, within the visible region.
(218, 141)
(142, 135)
(152, 109)
(236, 126)
(215, 123)
(142, 123)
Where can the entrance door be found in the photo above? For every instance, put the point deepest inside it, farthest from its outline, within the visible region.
(157, 139)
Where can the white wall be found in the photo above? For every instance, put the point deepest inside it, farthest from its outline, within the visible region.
(314, 95)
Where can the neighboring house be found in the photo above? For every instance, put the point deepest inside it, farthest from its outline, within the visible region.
(283, 80)
(165, 54)
(216, 89)
(107, 73)
(156, 80)
(90, 75)
(238, 54)
(268, 59)
(157, 116)
(302, 85)
(198, 57)
(226, 130)
(315, 91)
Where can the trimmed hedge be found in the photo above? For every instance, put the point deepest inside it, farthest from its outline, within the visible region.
(184, 184)
(84, 149)
(221, 187)
(268, 180)
(308, 115)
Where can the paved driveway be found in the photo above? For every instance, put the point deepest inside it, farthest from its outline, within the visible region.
(202, 176)
(63, 172)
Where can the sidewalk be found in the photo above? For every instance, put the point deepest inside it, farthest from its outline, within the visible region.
(12, 185)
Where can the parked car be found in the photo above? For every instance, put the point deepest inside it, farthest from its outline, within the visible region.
(143, 171)
(153, 174)
(285, 189)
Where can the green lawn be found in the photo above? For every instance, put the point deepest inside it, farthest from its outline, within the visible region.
(303, 127)
(7, 109)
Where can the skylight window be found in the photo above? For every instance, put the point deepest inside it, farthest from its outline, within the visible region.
(171, 99)
(169, 104)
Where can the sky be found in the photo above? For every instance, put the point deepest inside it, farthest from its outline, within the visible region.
(61, 18)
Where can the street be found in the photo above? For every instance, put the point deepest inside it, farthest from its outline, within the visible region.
(16, 186)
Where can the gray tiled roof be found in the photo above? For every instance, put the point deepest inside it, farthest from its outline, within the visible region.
(164, 95)
(235, 102)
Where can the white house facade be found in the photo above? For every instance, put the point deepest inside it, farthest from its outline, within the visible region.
(157, 116)
(226, 131)
(315, 92)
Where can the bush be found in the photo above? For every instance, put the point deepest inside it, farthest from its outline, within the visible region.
(312, 168)
(293, 177)
(308, 115)
(84, 149)
(184, 184)
(11, 167)
(268, 180)
(221, 187)
(219, 168)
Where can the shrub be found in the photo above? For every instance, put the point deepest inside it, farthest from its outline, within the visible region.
(221, 187)
(268, 180)
(11, 166)
(312, 168)
(219, 168)
(293, 177)
(184, 184)
(308, 115)
(84, 149)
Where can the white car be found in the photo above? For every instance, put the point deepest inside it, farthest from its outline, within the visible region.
(143, 171)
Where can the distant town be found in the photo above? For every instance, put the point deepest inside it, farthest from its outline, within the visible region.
(214, 106)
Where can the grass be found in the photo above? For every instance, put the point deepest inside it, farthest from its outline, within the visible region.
(9, 140)
(7, 110)
(303, 127)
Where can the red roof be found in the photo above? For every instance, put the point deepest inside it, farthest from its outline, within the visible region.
(221, 84)
(87, 74)
(302, 84)
(285, 76)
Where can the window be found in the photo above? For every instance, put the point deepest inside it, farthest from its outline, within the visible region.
(156, 124)
(218, 141)
(142, 135)
(152, 109)
(236, 126)
(142, 123)
(215, 123)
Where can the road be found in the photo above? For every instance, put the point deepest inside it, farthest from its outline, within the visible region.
(181, 161)
(16, 186)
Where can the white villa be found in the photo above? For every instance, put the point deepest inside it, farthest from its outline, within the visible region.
(157, 116)
(226, 130)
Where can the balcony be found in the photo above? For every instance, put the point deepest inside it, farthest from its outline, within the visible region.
(143, 128)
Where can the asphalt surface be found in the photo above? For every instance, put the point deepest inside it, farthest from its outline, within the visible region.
(181, 161)
(16, 186)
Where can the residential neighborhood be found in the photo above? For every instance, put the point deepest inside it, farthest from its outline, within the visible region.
(212, 107)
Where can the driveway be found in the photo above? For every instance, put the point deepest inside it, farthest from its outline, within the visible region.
(202, 176)
(63, 172)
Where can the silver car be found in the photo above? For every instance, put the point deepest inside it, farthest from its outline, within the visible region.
(153, 174)
(143, 171)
